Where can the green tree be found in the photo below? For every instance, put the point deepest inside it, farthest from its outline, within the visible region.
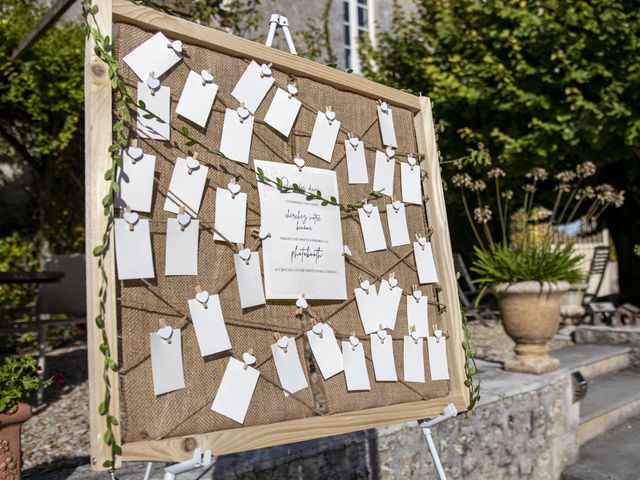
(538, 83)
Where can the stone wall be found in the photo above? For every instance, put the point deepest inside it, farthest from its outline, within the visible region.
(628, 336)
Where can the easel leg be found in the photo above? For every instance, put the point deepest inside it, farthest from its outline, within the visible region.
(434, 453)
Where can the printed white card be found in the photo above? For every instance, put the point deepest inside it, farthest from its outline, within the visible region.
(152, 56)
(253, 86)
(383, 174)
(236, 390)
(209, 325)
(438, 358)
(411, 184)
(230, 216)
(197, 99)
(425, 263)
(288, 365)
(283, 112)
(367, 301)
(323, 137)
(387, 130)
(134, 258)
(135, 178)
(413, 357)
(418, 315)
(371, 226)
(236, 136)
(166, 362)
(355, 367)
(186, 189)
(356, 161)
(249, 278)
(397, 222)
(181, 256)
(388, 302)
(159, 103)
(303, 255)
(325, 350)
(384, 364)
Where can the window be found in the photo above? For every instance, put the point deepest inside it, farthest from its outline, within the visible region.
(358, 27)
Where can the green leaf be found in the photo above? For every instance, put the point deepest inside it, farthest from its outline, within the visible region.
(107, 464)
(98, 250)
(102, 409)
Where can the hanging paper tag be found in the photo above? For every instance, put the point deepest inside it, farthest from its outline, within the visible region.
(438, 358)
(236, 136)
(185, 189)
(413, 354)
(288, 366)
(135, 178)
(166, 362)
(367, 301)
(197, 99)
(371, 225)
(134, 258)
(397, 221)
(323, 137)
(325, 350)
(388, 303)
(283, 112)
(253, 86)
(387, 130)
(153, 55)
(230, 215)
(425, 263)
(356, 161)
(157, 126)
(182, 247)
(384, 364)
(236, 390)
(418, 315)
(411, 183)
(355, 367)
(249, 278)
(383, 174)
(208, 323)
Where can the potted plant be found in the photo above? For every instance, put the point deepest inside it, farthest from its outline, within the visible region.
(528, 260)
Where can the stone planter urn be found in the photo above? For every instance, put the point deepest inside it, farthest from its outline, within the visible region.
(10, 426)
(531, 317)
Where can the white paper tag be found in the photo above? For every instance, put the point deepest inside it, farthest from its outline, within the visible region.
(356, 162)
(289, 367)
(383, 174)
(388, 303)
(418, 315)
(283, 112)
(326, 351)
(135, 178)
(425, 263)
(251, 88)
(152, 56)
(197, 99)
(185, 190)
(182, 248)
(411, 184)
(323, 137)
(249, 280)
(208, 323)
(236, 136)
(133, 250)
(384, 364)
(397, 221)
(166, 363)
(413, 355)
(158, 104)
(372, 230)
(355, 367)
(230, 216)
(367, 302)
(387, 130)
(236, 390)
(438, 358)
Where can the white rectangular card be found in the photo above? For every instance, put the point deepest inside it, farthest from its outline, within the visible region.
(413, 357)
(383, 174)
(236, 390)
(249, 280)
(135, 178)
(326, 351)
(425, 263)
(185, 189)
(181, 256)
(236, 136)
(157, 126)
(411, 183)
(289, 367)
(367, 301)
(418, 315)
(152, 56)
(387, 130)
(356, 162)
(388, 303)
(166, 363)
(197, 99)
(355, 367)
(134, 258)
(323, 137)
(230, 216)
(208, 323)
(251, 88)
(372, 232)
(397, 222)
(438, 358)
(282, 112)
(384, 364)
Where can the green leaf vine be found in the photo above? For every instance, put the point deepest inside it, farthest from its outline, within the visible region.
(472, 382)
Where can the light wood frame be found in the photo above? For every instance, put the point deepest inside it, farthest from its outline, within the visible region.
(97, 160)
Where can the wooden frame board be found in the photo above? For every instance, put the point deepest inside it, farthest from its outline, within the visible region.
(98, 138)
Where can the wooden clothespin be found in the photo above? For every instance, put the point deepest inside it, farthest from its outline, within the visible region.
(243, 112)
(176, 45)
(248, 358)
(153, 83)
(330, 114)
(265, 70)
(130, 217)
(192, 162)
(292, 88)
(282, 341)
(354, 341)
(421, 239)
(202, 296)
(183, 218)
(165, 331)
(206, 77)
(413, 334)
(382, 333)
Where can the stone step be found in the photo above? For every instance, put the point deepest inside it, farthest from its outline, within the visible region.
(593, 360)
(611, 400)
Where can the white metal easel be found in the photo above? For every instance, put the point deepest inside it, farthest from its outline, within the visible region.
(425, 425)
(281, 21)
